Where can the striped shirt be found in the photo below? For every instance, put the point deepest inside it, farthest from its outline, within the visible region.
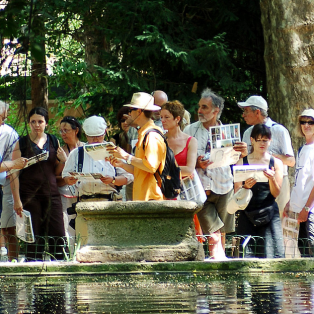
(219, 180)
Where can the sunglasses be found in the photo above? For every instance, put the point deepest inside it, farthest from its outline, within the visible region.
(132, 109)
(307, 122)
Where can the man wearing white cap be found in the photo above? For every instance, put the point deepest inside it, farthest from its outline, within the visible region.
(95, 130)
(149, 156)
(254, 112)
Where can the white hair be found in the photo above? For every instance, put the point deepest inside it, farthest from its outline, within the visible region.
(3, 106)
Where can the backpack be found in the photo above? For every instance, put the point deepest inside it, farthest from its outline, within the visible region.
(169, 180)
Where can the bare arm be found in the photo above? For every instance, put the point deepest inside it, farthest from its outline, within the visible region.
(303, 215)
(15, 184)
(275, 177)
(286, 160)
(191, 158)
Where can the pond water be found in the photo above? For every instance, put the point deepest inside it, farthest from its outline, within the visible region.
(159, 293)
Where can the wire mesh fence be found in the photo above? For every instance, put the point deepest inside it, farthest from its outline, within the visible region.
(64, 249)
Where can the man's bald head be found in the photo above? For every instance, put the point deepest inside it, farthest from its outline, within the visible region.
(160, 97)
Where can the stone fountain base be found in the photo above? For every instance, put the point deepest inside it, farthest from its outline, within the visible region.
(154, 231)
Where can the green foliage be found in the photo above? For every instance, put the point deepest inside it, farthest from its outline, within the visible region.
(107, 50)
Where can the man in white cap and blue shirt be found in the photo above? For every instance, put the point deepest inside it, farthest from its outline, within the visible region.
(254, 112)
(95, 130)
(149, 154)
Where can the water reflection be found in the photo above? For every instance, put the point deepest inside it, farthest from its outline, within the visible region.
(159, 293)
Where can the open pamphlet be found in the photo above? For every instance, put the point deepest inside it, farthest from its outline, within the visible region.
(220, 145)
(290, 231)
(98, 151)
(24, 228)
(192, 189)
(86, 175)
(32, 161)
(244, 172)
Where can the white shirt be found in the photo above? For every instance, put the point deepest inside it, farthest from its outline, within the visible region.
(304, 178)
(91, 186)
(280, 141)
(8, 139)
(219, 180)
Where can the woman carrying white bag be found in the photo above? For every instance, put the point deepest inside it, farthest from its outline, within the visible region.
(260, 218)
(184, 148)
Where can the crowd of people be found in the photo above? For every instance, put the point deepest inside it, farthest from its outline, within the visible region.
(49, 188)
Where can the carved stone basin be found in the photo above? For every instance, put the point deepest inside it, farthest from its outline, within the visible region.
(151, 231)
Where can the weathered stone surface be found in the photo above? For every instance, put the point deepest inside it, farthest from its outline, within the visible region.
(138, 231)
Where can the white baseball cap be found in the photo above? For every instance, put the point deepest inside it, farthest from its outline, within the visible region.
(257, 101)
(94, 126)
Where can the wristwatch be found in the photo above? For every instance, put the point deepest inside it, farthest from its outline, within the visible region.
(129, 160)
(307, 209)
(114, 180)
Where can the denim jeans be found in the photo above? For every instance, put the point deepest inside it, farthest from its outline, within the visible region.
(267, 240)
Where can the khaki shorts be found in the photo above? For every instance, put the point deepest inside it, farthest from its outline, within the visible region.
(214, 215)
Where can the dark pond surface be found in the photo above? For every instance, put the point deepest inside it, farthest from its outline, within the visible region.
(159, 293)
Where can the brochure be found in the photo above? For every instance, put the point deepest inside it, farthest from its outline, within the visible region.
(192, 189)
(220, 145)
(244, 172)
(24, 228)
(290, 231)
(98, 151)
(32, 161)
(86, 175)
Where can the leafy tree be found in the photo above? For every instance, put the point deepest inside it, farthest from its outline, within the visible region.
(107, 50)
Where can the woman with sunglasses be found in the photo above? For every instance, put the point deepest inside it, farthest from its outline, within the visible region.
(121, 139)
(71, 132)
(261, 217)
(302, 194)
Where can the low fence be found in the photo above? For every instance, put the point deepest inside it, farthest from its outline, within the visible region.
(64, 249)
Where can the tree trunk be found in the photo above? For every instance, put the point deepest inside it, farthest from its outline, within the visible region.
(289, 51)
(39, 84)
(39, 77)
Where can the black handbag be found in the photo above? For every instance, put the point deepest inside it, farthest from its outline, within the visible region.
(262, 216)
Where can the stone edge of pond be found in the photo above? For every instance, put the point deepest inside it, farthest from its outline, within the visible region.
(233, 265)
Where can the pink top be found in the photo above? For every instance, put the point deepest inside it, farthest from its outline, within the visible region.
(181, 157)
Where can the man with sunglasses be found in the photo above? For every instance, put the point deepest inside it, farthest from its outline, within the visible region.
(255, 112)
(149, 154)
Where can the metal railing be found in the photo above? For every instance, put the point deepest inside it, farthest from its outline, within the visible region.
(64, 249)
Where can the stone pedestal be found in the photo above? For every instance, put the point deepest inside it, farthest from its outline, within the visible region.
(151, 231)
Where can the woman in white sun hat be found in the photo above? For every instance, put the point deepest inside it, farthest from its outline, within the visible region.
(302, 194)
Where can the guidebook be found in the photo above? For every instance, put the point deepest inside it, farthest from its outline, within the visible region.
(220, 145)
(31, 161)
(98, 151)
(24, 228)
(244, 172)
(86, 175)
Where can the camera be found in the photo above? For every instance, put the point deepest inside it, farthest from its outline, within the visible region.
(206, 157)
(71, 210)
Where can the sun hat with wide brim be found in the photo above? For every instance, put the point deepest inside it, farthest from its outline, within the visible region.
(143, 101)
(257, 101)
(94, 126)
